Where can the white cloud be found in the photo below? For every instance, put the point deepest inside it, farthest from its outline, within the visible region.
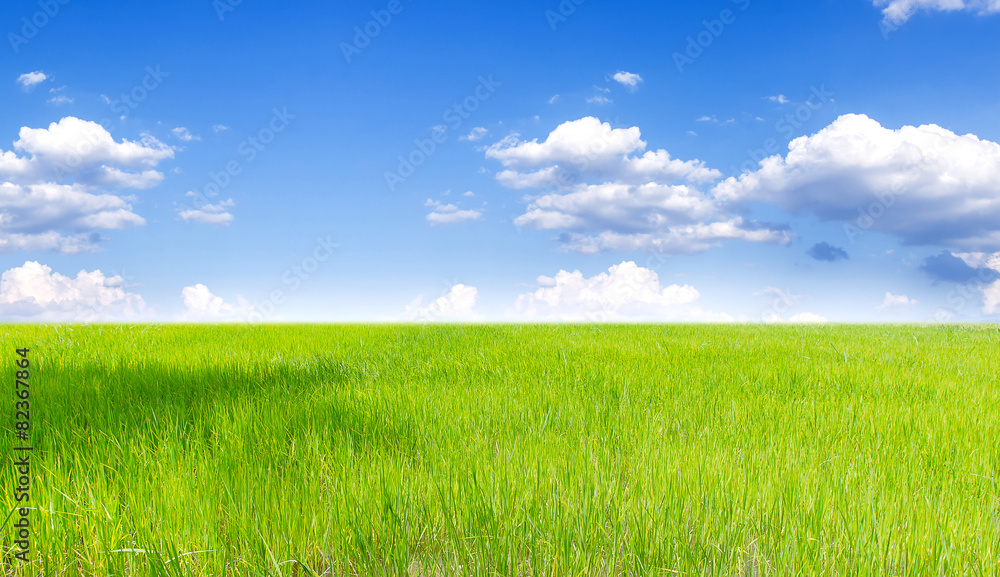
(34, 292)
(625, 292)
(690, 239)
(899, 11)
(39, 211)
(56, 217)
(780, 99)
(807, 318)
(598, 99)
(220, 128)
(714, 120)
(925, 184)
(980, 259)
(589, 148)
(201, 305)
(457, 305)
(618, 206)
(633, 205)
(60, 99)
(554, 99)
(31, 79)
(991, 298)
(991, 292)
(50, 241)
(184, 134)
(85, 151)
(896, 301)
(449, 213)
(628, 79)
(209, 213)
(439, 218)
(469, 193)
(477, 133)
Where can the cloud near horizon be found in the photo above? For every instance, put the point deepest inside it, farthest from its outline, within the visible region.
(626, 292)
(201, 305)
(457, 305)
(34, 292)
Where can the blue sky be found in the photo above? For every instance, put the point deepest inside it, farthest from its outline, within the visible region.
(584, 160)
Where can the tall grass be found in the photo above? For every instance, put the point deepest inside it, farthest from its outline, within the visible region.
(509, 450)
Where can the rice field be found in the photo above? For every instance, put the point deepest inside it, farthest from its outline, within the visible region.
(522, 450)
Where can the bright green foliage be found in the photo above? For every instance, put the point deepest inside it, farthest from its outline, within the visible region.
(570, 450)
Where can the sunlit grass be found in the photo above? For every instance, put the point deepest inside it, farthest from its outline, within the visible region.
(510, 450)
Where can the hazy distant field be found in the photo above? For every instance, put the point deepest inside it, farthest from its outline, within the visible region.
(510, 450)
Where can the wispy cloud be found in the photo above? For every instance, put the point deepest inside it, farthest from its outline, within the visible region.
(217, 214)
(449, 213)
(714, 120)
(475, 134)
(184, 134)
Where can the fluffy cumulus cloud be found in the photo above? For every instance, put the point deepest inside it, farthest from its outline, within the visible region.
(626, 292)
(449, 213)
(201, 305)
(32, 215)
(589, 148)
(85, 152)
(457, 305)
(30, 79)
(607, 192)
(34, 292)
(892, 301)
(628, 79)
(923, 184)
(217, 214)
(899, 11)
(54, 185)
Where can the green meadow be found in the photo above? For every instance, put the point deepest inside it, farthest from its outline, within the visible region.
(522, 450)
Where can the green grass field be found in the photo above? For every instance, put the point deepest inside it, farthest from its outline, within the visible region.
(509, 450)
